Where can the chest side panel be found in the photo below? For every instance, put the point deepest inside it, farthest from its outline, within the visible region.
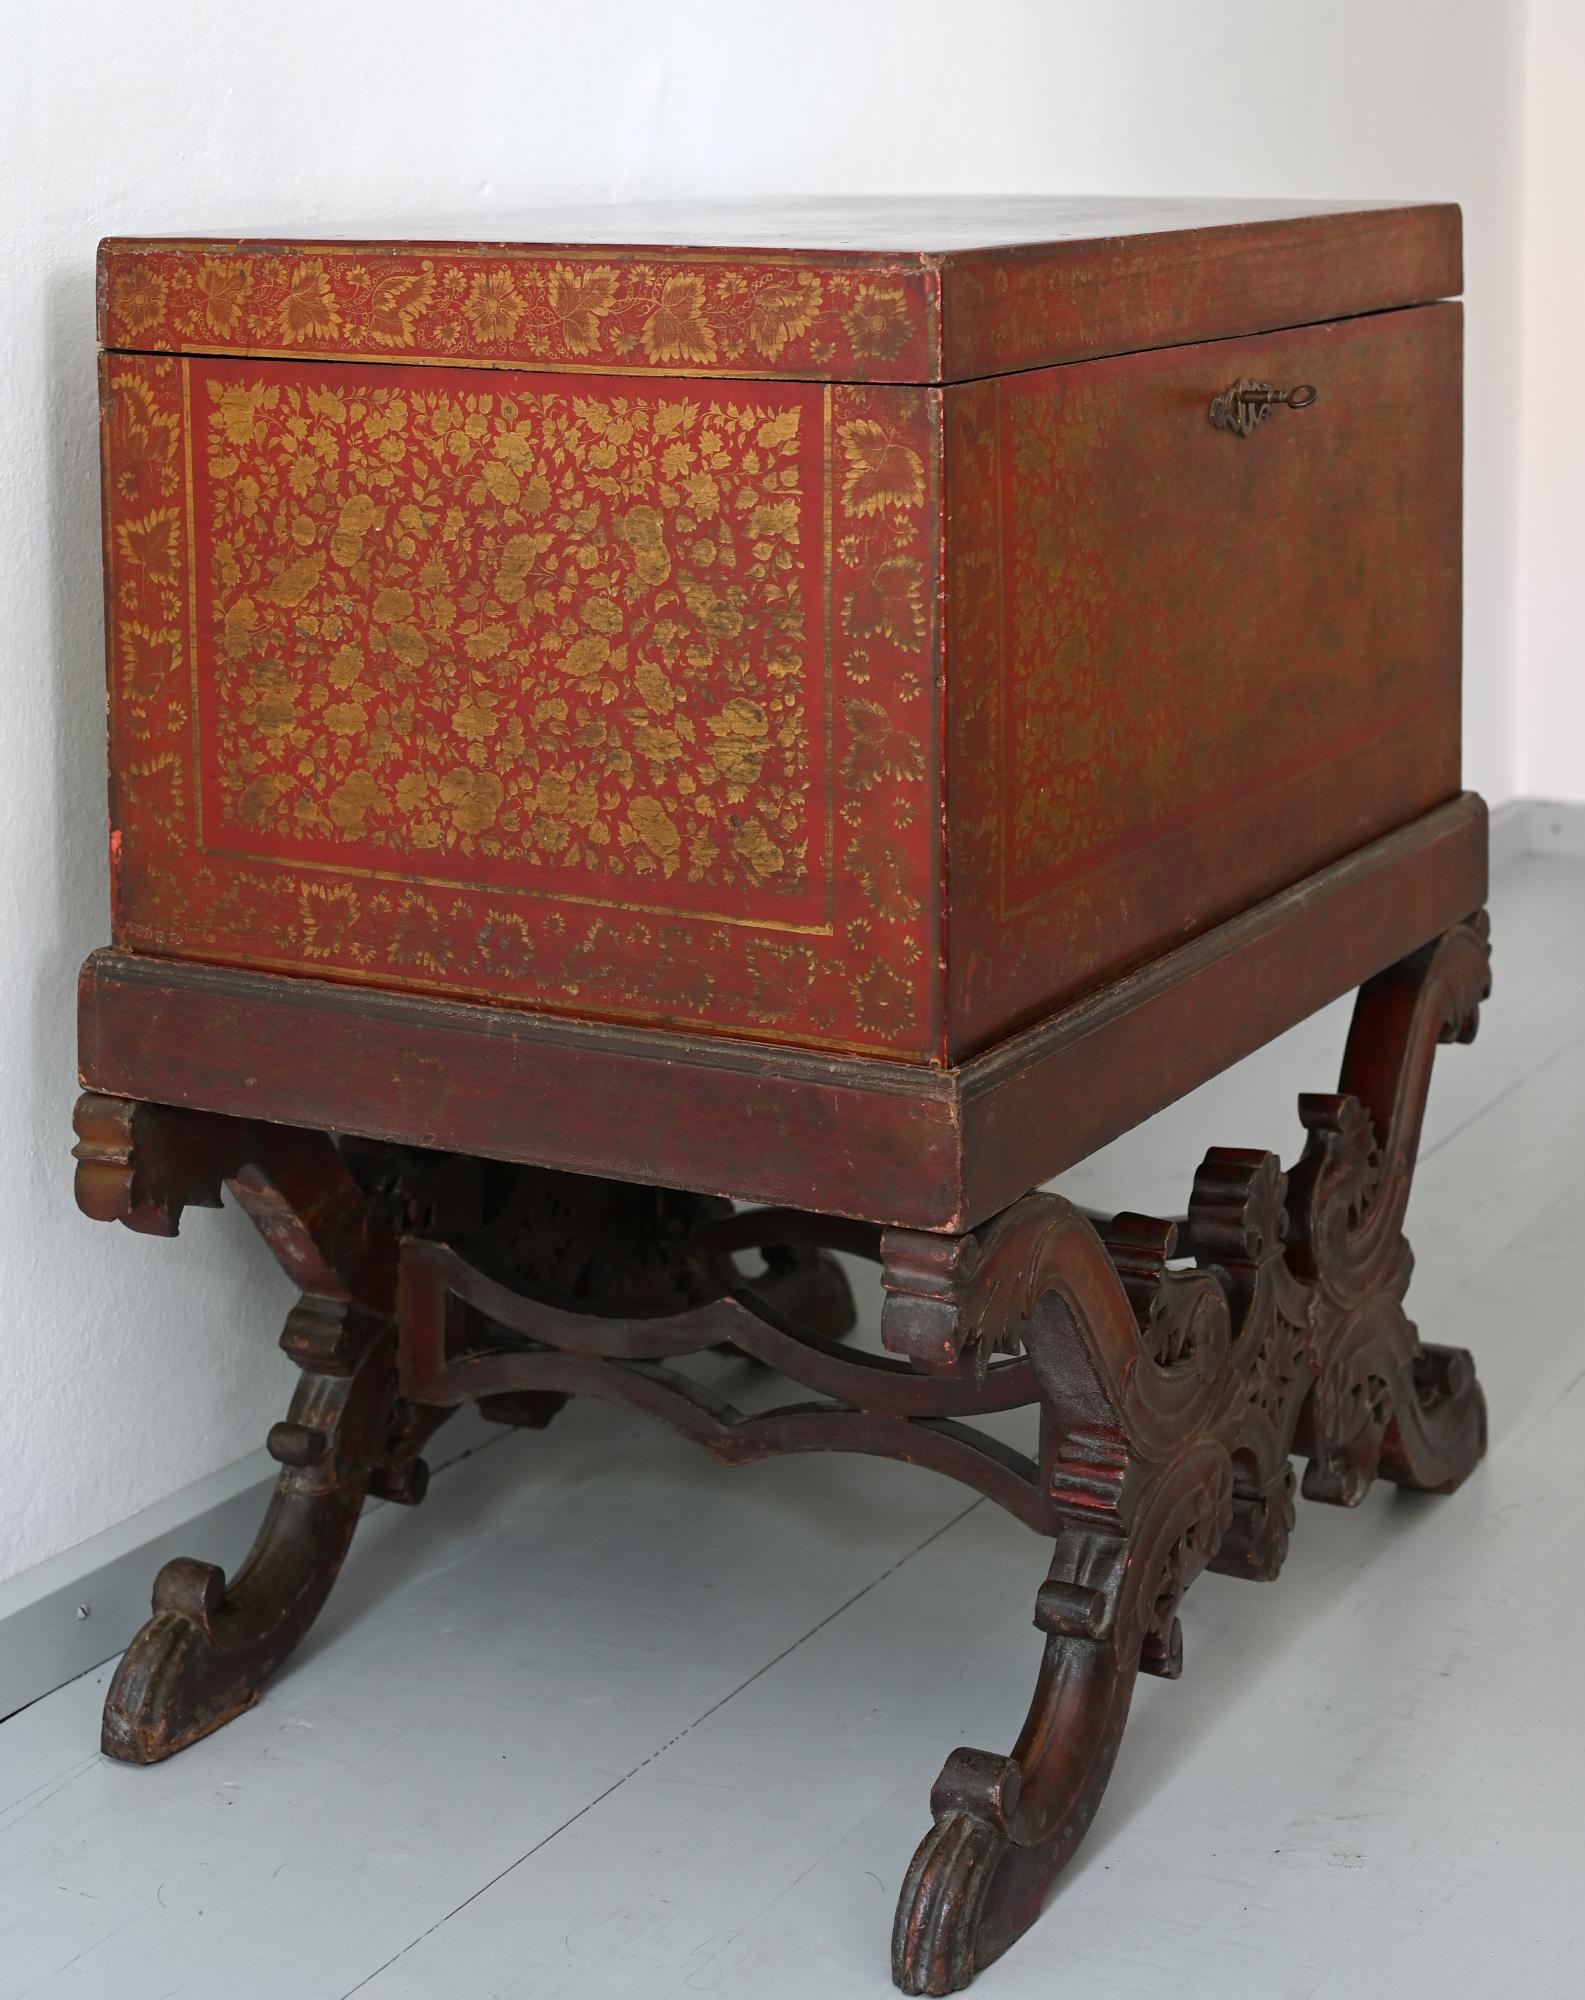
(1187, 667)
(606, 696)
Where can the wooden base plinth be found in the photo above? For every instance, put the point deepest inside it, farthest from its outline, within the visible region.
(904, 1143)
(1177, 1367)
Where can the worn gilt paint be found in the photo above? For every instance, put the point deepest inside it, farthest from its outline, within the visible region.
(1063, 279)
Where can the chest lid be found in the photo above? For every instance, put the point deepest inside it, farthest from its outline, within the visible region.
(885, 289)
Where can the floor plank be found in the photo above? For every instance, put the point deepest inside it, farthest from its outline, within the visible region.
(562, 1606)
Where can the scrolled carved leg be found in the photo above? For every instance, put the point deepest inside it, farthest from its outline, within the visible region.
(1383, 1402)
(1005, 1827)
(1133, 1362)
(1436, 1435)
(204, 1655)
(1171, 1401)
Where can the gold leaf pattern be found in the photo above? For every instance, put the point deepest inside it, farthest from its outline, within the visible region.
(1059, 727)
(783, 312)
(666, 309)
(150, 655)
(484, 661)
(225, 284)
(395, 305)
(877, 320)
(328, 913)
(139, 298)
(677, 329)
(152, 542)
(308, 313)
(493, 308)
(143, 442)
(877, 750)
(580, 298)
(887, 602)
(880, 470)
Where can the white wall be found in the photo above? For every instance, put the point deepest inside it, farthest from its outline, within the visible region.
(132, 1367)
(1550, 656)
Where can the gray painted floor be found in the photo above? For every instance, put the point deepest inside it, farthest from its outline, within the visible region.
(605, 1719)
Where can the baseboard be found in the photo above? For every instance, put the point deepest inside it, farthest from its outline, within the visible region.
(67, 1615)
(1537, 826)
(1557, 827)
(1510, 833)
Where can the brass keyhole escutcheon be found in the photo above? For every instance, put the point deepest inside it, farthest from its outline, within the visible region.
(1245, 405)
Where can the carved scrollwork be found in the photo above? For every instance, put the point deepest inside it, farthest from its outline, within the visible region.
(1350, 1189)
(1288, 1320)
(1199, 1510)
(1182, 1318)
(142, 1164)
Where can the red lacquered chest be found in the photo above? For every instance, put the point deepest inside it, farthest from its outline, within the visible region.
(868, 649)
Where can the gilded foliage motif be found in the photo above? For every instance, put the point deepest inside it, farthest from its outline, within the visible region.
(886, 786)
(864, 319)
(565, 631)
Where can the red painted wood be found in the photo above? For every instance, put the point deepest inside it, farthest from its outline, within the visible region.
(824, 678)
(1044, 1100)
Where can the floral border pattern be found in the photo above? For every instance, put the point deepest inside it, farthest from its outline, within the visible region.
(866, 320)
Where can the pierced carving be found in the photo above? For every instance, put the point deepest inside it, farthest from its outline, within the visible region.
(335, 1217)
(1171, 1405)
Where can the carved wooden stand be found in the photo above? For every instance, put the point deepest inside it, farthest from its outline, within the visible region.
(1171, 1393)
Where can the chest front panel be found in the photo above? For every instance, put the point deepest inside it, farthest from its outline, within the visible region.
(606, 694)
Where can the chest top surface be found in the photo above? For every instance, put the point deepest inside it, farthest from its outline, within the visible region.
(887, 289)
